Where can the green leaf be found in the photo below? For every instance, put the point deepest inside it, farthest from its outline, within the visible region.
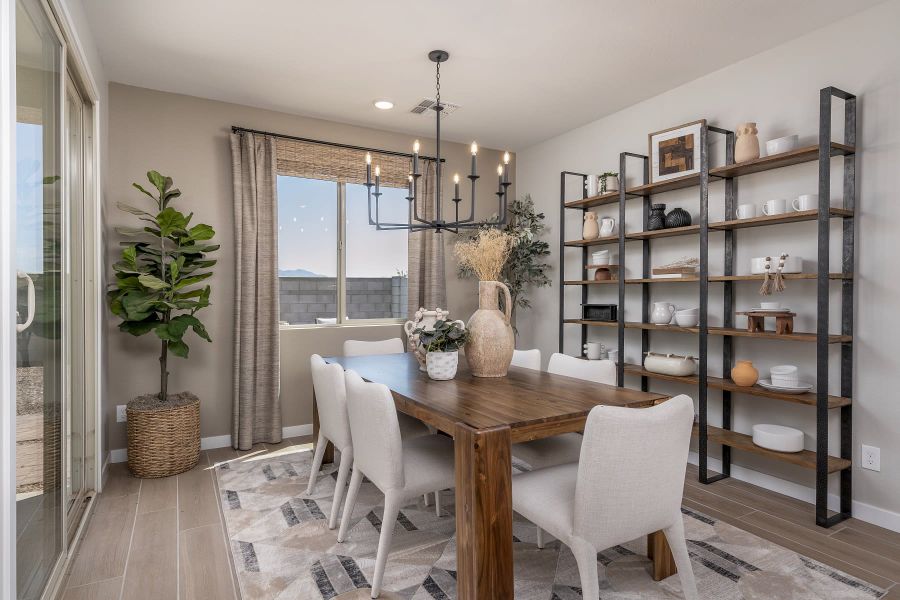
(137, 328)
(129, 231)
(138, 304)
(153, 283)
(201, 232)
(175, 268)
(170, 220)
(138, 186)
(192, 280)
(179, 349)
(135, 211)
(158, 181)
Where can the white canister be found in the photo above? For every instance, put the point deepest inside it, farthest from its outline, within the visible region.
(591, 185)
(593, 350)
(600, 258)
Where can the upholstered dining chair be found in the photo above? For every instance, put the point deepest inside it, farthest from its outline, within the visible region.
(628, 483)
(401, 469)
(360, 347)
(528, 359)
(565, 448)
(334, 427)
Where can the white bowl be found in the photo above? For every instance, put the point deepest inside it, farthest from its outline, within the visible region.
(778, 438)
(792, 264)
(782, 144)
(687, 319)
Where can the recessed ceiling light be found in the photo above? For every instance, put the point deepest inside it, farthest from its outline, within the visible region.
(384, 104)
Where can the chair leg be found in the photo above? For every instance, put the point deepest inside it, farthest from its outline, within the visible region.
(437, 503)
(350, 504)
(340, 484)
(586, 557)
(675, 537)
(317, 463)
(427, 499)
(391, 510)
(540, 538)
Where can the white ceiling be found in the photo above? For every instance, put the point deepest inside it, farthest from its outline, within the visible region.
(523, 70)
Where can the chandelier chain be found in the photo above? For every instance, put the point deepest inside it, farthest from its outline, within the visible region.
(438, 80)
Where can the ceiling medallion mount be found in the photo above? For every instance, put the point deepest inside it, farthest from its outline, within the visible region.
(418, 221)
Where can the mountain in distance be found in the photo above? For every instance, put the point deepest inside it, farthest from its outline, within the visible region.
(297, 273)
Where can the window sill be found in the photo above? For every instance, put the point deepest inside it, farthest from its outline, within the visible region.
(354, 323)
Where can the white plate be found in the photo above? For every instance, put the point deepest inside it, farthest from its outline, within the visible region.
(769, 310)
(801, 388)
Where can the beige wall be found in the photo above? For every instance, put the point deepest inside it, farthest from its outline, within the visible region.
(187, 138)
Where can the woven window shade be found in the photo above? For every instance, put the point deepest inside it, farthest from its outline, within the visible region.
(321, 161)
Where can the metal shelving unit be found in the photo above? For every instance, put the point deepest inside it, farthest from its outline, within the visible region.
(820, 461)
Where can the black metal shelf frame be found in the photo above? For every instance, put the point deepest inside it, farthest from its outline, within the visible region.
(822, 297)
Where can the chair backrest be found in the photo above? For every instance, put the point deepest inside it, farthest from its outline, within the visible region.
(360, 348)
(599, 371)
(631, 470)
(377, 447)
(529, 359)
(331, 400)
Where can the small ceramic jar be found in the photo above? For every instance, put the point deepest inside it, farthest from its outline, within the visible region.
(744, 373)
(657, 218)
(678, 217)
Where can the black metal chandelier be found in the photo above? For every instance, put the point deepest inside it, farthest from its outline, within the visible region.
(417, 221)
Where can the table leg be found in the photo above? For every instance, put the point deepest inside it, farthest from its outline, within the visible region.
(328, 457)
(484, 550)
(659, 552)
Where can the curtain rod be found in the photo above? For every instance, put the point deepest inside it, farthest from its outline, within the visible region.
(236, 129)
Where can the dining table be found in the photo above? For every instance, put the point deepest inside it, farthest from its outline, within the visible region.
(485, 416)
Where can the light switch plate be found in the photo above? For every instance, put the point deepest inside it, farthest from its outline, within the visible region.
(871, 458)
(121, 415)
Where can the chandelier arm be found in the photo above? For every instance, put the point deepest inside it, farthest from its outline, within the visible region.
(369, 190)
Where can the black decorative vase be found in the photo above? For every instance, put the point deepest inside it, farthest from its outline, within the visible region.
(678, 217)
(657, 218)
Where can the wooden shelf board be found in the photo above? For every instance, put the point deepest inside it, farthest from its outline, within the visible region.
(661, 233)
(593, 323)
(741, 441)
(720, 278)
(734, 332)
(610, 239)
(790, 217)
(591, 282)
(720, 383)
(598, 200)
(785, 159)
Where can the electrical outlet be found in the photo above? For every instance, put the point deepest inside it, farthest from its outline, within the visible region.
(871, 458)
(121, 415)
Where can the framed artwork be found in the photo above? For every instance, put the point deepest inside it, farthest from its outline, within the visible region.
(675, 152)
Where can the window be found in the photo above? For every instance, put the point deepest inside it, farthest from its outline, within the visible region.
(326, 270)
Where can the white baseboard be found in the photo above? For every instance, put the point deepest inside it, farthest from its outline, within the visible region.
(864, 512)
(120, 455)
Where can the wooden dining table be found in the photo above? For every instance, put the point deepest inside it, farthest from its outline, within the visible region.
(485, 416)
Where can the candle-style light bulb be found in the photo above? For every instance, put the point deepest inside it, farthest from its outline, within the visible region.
(505, 167)
(368, 169)
(506, 158)
(377, 171)
(416, 147)
(415, 157)
(474, 148)
(377, 179)
(409, 180)
(499, 170)
(474, 152)
(368, 158)
(456, 186)
(456, 178)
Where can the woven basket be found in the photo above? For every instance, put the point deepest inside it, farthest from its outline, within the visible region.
(163, 438)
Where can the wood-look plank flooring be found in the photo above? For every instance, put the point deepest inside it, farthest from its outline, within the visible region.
(164, 539)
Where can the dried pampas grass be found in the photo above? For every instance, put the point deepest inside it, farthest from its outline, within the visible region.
(485, 254)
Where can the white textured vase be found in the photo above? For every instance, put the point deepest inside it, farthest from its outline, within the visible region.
(489, 349)
(442, 365)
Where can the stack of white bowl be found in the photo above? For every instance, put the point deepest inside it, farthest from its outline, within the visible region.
(784, 376)
(689, 317)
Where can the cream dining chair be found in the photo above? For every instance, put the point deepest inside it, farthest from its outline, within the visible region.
(528, 359)
(401, 469)
(565, 448)
(334, 427)
(360, 347)
(628, 483)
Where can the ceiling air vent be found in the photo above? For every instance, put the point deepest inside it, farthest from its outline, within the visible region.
(423, 107)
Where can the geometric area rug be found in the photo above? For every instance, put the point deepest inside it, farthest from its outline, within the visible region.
(282, 549)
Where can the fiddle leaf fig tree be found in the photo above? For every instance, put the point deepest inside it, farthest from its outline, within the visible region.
(159, 278)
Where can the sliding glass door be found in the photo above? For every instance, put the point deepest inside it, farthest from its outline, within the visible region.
(40, 254)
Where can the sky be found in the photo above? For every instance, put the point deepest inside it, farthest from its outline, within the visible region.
(307, 229)
(29, 198)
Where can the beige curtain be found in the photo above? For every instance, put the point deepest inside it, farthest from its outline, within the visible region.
(333, 163)
(427, 285)
(257, 406)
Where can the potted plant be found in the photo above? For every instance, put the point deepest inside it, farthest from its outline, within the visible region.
(609, 182)
(442, 344)
(158, 288)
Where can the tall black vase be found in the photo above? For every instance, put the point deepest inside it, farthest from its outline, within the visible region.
(657, 218)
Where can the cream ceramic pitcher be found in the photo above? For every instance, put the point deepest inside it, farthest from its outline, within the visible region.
(662, 313)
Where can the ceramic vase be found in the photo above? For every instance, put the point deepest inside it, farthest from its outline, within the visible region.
(678, 217)
(591, 229)
(442, 366)
(657, 218)
(491, 341)
(744, 373)
(746, 146)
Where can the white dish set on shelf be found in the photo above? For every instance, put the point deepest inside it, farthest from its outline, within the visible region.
(665, 313)
(779, 206)
(785, 380)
